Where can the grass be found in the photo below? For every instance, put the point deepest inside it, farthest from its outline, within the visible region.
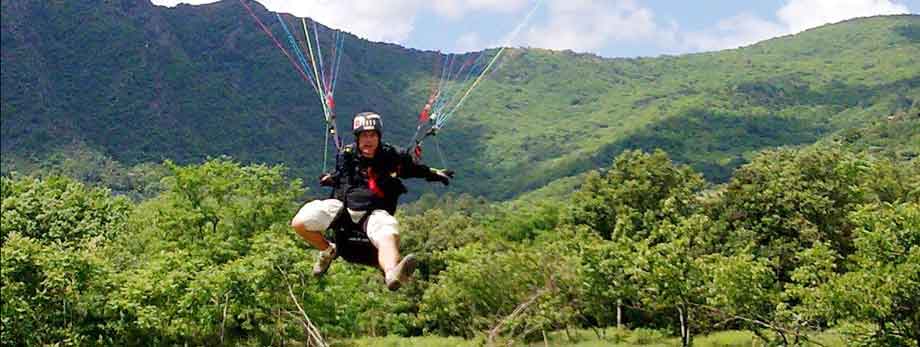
(591, 338)
(396, 341)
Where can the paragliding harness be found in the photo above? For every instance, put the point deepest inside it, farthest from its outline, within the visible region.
(352, 243)
(350, 237)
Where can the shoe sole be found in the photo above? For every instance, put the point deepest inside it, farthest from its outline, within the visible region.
(405, 267)
(323, 272)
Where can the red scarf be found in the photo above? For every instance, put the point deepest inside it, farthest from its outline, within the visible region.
(372, 182)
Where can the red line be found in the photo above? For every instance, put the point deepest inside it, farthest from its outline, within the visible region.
(281, 47)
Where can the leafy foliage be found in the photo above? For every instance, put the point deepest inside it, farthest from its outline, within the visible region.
(53, 277)
(59, 210)
(637, 192)
(795, 240)
(211, 259)
(882, 281)
(138, 83)
(52, 294)
(785, 200)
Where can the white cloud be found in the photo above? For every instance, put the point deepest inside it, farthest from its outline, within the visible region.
(732, 32)
(582, 25)
(795, 16)
(591, 25)
(390, 20)
(456, 9)
(587, 25)
(469, 42)
(798, 15)
(449, 8)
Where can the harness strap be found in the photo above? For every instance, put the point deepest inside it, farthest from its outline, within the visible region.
(351, 239)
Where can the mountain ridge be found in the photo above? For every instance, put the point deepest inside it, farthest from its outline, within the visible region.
(192, 82)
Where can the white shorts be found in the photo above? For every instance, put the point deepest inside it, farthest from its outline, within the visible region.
(317, 215)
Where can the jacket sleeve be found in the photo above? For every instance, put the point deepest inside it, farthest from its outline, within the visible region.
(409, 168)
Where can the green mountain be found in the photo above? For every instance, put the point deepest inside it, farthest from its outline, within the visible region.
(145, 83)
(141, 83)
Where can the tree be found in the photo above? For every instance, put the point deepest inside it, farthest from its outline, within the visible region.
(53, 277)
(57, 209)
(674, 269)
(785, 200)
(632, 196)
(497, 288)
(211, 259)
(882, 285)
(636, 207)
(609, 272)
(741, 289)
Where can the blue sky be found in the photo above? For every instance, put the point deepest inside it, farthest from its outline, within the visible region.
(610, 28)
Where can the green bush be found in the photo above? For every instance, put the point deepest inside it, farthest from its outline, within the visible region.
(57, 209)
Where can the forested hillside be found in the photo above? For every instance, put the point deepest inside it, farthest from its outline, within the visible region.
(813, 246)
(135, 83)
(152, 160)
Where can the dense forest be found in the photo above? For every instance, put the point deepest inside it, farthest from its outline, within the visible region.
(152, 159)
(797, 242)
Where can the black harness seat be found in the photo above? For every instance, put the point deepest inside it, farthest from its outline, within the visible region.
(351, 241)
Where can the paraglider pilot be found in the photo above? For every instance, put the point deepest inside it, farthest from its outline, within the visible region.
(366, 189)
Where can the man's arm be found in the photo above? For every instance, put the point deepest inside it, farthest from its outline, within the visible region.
(408, 168)
(334, 179)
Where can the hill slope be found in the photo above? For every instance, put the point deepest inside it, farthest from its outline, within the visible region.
(712, 109)
(140, 83)
(143, 83)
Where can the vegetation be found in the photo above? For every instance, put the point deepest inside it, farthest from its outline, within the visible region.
(797, 242)
(767, 195)
(606, 337)
(137, 83)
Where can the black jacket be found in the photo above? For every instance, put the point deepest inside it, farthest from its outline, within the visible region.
(370, 184)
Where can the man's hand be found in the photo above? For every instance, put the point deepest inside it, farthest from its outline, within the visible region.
(441, 175)
(326, 180)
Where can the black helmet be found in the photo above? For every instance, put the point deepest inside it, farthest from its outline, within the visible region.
(365, 121)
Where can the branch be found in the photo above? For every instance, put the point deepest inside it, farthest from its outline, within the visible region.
(761, 323)
(517, 311)
(549, 286)
(312, 331)
(300, 320)
(224, 320)
(639, 308)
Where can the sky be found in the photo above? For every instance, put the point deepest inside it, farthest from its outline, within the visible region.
(609, 28)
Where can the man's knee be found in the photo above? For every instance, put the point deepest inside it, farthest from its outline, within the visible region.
(316, 215)
(382, 228)
(296, 223)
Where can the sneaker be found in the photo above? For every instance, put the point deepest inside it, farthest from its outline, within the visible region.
(400, 273)
(324, 260)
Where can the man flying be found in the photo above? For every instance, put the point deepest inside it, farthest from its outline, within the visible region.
(367, 187)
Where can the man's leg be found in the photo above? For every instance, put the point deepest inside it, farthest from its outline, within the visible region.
(310, 222)
(314, 238)
(387, 251)
(383, 232)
